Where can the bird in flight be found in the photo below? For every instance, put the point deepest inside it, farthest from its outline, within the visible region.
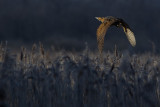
(106, 23)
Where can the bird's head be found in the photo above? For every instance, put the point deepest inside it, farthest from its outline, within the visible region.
(101, 19)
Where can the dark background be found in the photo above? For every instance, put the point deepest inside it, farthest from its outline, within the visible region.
(69, 24)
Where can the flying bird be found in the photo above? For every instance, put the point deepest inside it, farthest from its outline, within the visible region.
(110, 21)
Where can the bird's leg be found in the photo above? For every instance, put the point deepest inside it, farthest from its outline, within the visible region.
(101, 58)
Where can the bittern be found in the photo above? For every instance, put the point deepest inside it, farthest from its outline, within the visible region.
(110, 21)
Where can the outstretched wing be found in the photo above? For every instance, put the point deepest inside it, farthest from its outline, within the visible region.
(130, 36)
(128, 32)
(101, 31)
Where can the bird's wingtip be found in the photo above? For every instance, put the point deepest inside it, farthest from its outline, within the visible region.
(134, 45)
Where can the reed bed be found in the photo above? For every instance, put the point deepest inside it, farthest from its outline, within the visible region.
(50, 78)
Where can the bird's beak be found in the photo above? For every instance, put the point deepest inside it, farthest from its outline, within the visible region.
(97, 18)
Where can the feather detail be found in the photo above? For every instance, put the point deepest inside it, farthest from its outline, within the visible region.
(106, 23)
(101, 32)
(130, 36)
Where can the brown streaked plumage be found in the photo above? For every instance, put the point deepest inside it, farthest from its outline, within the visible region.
(106, 23)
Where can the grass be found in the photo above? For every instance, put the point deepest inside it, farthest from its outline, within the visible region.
(40, 78)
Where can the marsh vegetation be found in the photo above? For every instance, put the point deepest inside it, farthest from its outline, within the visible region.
(49, 78)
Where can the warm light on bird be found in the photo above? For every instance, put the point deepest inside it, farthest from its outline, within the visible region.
(106, 23)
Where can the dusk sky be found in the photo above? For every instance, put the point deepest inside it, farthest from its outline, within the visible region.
(71, 23)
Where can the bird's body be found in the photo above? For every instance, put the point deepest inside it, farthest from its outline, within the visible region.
(110, 21)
